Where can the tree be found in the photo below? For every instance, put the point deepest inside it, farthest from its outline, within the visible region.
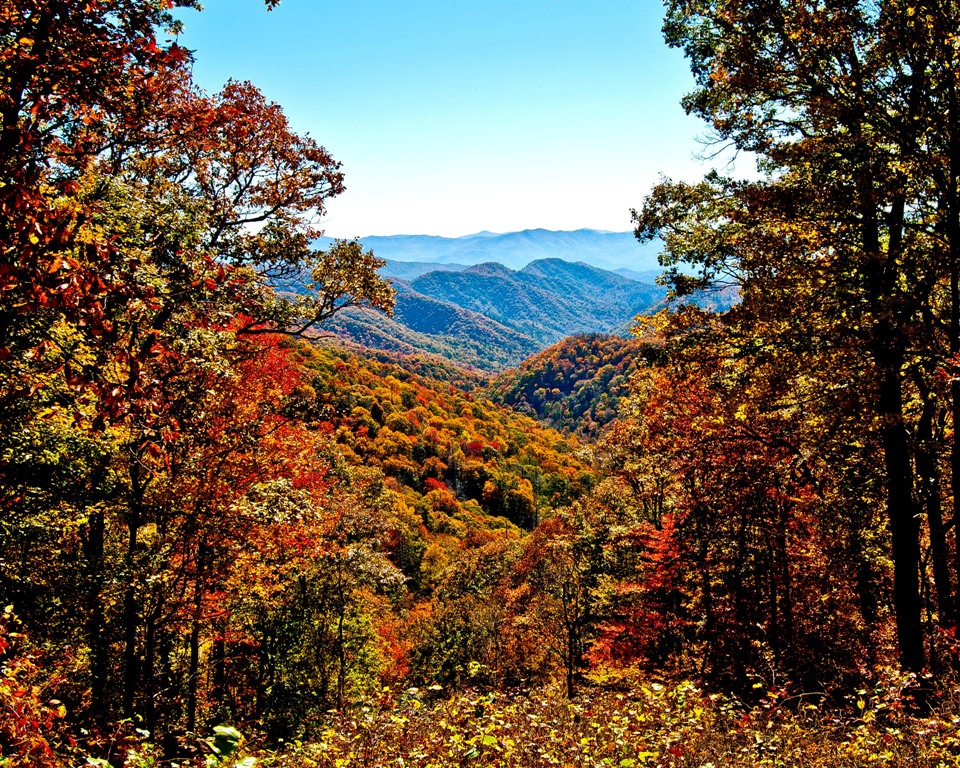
(555, 569)
(755, 538)
(845, 251)
(110, 160)
(463, 633)
(302, 590)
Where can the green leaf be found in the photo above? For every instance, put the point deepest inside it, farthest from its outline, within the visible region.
(226, 740)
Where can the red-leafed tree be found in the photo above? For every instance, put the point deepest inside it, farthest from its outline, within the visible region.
(752, 557)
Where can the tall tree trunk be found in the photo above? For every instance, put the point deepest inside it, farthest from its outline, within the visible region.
(902, 516)
(193, 672)
(955, 410)
(341, 659)
(952, 207)
(96, 623)
(149, 673)
(167, 712)
(709, 619)
(219, 691)
(265, 671)
(886, 348)
(928, 476)
(786, 592)
(131, 615)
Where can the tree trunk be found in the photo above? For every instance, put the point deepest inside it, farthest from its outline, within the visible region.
(96, 623)
(341, 660)
(786, 591)
(570, 662)
(902, 517)
(886, 348)
(131, 619)
(219, 692)
(955, 412)
(193, 672)
(928, 475)
(952, 207)
(149, 675)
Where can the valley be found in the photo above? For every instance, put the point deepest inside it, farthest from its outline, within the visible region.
(532, 290)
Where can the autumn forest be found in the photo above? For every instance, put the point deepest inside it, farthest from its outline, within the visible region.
(230, 539)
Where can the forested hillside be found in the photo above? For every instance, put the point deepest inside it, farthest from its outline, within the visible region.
(428, 435)
(490, 317)
(408, 270)
(228, 540)
(548, 299)
(577, 385)
(421, 324)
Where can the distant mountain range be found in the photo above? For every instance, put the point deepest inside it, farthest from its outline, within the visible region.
(490, 317)
(547, 300)
(488, 301)
(607, 250)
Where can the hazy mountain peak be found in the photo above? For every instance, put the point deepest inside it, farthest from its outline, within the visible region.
(554, 264)
(606, 250)
(491, 269)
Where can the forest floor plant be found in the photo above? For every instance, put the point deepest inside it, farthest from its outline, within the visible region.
(650, 724)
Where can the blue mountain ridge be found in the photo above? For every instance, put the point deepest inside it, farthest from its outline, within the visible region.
(489, 316)
(606, 250)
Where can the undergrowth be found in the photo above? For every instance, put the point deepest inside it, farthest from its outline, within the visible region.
(650, 725)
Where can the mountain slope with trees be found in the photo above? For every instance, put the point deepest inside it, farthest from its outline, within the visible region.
(429, 435)
(574, 386)
(548, 299)
(422, 324)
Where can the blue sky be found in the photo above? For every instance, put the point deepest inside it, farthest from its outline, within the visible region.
(455, 117)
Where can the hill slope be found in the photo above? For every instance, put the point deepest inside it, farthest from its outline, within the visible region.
(490, 317)
(448, 453)
(548, 299)
(422, 324)
(410, 270)
(574, 386)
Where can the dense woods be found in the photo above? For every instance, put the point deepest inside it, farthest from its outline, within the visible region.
(845, 254)
(576, 385)
(228, 539)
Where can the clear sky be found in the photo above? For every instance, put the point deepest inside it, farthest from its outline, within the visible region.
(454, 117)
